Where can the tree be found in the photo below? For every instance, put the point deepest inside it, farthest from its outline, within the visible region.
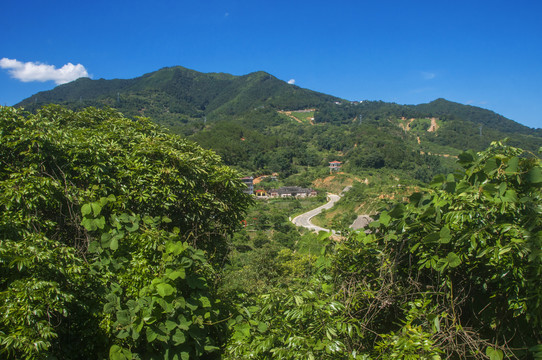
(107, 233)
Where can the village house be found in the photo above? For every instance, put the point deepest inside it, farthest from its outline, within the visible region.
(291, 191)
(334, 166)
(249, 182)
(261, 193)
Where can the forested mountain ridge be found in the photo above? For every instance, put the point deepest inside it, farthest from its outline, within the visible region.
(442, 107)
(184, 93)
(180, 94)
(239, 117)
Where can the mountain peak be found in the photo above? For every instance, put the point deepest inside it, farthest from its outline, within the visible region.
(176, 93)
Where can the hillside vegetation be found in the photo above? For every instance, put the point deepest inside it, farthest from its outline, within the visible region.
(176, 96)
(124, 242)
(122, 238)
(260, 124)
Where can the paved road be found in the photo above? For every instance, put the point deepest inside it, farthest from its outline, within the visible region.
(305, 219)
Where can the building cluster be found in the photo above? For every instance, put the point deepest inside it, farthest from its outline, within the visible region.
(283, 192)
(286, 191)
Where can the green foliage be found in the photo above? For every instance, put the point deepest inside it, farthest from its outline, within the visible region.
(108, 230)
(415, 338)
(343, 221)
(474, 239)
(270, 251)
(290, 324)
(238, 117)
(453, 273)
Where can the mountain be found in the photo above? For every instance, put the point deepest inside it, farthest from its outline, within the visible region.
(245, 120)
(486, 118)
(177, 94)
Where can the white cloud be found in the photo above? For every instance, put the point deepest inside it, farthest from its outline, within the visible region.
(428, 75)
(291, 81)
(34, 71)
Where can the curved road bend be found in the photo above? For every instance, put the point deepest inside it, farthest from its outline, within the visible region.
(305, 219)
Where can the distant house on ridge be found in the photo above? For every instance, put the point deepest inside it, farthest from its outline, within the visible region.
(334, 166)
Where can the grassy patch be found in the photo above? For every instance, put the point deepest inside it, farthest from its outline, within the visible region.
(303, 116)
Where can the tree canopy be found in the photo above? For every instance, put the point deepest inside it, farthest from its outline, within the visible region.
(104, 229)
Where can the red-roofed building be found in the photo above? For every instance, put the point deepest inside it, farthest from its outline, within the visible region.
(261, 193)
(335, 165)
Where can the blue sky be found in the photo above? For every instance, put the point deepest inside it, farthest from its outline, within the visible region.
(478, 52)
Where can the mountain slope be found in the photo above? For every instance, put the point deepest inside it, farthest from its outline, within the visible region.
(442, 107)
(239, 118)
(180, 94)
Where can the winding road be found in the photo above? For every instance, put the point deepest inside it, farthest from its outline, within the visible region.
(304, 220)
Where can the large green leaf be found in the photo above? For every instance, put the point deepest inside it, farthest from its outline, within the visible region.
(118, 353)
(534, 176)
(114, 244)
(151, 334)
(96, 209)
(164, 289)
(178, 337)
(384, 218)
(453, 260)
(512, 166)
(180, 273)
(445, 235)
(86, 209)
(494, 354)
(124, 317)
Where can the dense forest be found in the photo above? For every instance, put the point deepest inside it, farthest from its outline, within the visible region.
(179, 95)
(124, 241)
(260, 124)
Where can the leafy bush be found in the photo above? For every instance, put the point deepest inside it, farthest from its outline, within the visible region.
(102, 230)
(471, 245)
